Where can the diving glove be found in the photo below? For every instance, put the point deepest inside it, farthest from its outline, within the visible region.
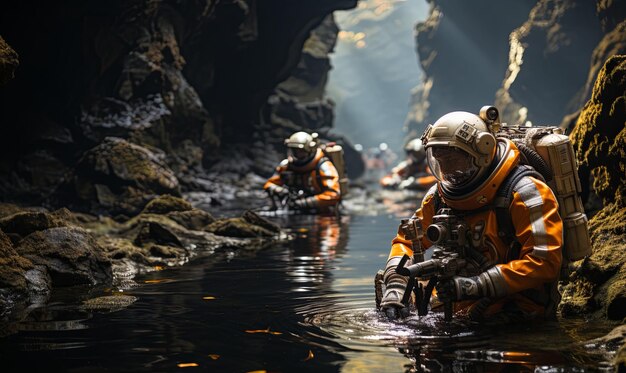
(489, 284)
(395, 286)
(277, 190)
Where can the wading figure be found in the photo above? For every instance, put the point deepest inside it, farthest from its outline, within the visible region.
(307, 180)
(493, 275)
(412, 173)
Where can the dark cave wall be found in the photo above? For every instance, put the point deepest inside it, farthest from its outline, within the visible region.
(463, 49)
(549, 62)
(8, 62)
(536, 60)
(181, 78)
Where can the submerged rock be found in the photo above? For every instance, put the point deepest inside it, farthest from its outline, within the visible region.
(109, 303)
(612, 343)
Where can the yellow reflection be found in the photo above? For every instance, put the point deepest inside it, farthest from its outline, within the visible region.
(208, 298)
(360, 44)
(187, 365)
(157, 281)
(310, 356)
(358, 36)
(158, 268)
(214, 356)
(267, 331)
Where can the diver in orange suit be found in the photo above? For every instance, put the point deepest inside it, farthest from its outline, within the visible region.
(413, 172)
(307, 179)
(470, 165)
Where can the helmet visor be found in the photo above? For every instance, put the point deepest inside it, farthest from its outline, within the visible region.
(298, 154)
(453, 167)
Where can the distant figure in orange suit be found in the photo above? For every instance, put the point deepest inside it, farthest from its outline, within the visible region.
(307, 180)
(412, 173)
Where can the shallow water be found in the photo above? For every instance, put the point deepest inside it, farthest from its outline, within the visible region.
(305, 306)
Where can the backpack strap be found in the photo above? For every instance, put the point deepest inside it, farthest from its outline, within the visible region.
(318, 172)
(502, 203)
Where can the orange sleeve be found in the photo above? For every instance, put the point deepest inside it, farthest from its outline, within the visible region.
(331, 193)
(275, 179)
(426, 182)
(400, 245)
(539, 230)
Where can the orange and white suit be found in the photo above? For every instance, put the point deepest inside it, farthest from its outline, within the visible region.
(417, 173)
(317, 179)
(524, 280)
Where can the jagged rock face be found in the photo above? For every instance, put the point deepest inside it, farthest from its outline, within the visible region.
(600, 133)
(180, 76)
(549, 61)
(613, 20)
(463, 49)
(534, 67)
(297, 104)
(598, 287)
(8, 62)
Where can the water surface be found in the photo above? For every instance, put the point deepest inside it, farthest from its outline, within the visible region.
(303, 306)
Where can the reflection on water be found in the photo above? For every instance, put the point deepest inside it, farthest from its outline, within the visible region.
(305, 306)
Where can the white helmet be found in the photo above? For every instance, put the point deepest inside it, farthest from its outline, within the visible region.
(415, 149)
(301, 147)
(460, 149)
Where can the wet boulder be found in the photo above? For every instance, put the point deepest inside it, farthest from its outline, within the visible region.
(13, 267)
(153, 232)
(614, 341)
(166, 203)
(71, 256)
(249, 224)
(597, 287)
(21, 224)
(120, 177)
(180, 211)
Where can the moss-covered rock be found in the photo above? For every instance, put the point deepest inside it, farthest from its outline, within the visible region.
(120, 177)
(598, 287)
(166, 203)
(8, 62)
(180, 211)
(27, 222)
(195, 219)
(248, 225)
(71, 255)
(13, 267)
